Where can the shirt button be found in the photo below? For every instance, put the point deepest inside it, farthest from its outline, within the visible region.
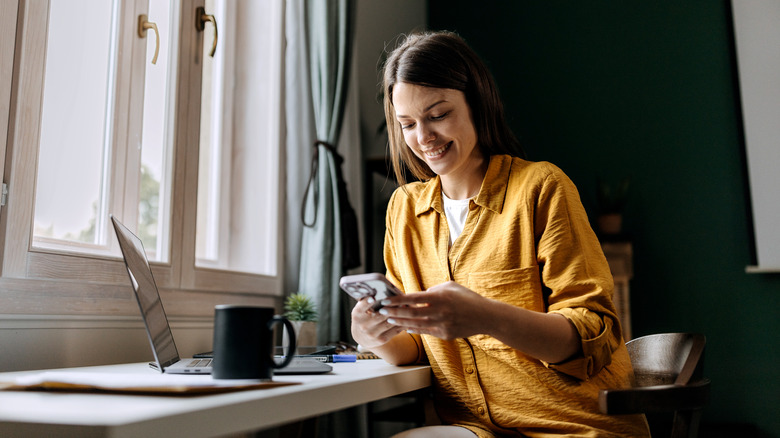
(469, 370)
(481, 410)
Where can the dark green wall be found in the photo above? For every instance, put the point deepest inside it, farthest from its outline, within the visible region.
(649, 90)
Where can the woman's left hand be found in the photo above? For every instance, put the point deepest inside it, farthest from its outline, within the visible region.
(449, 311)
(446, 311)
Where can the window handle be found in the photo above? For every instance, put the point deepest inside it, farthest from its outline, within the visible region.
(143, 25)
(201, 17)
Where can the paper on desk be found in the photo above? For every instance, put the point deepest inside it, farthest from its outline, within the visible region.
(133, 383)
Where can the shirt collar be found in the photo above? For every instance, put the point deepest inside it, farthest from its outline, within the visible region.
(491, 194)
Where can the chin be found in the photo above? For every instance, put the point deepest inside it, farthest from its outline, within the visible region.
(440, 170)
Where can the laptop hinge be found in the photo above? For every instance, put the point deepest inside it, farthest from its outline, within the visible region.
(3, 194)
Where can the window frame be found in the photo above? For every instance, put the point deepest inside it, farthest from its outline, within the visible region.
(7, 47)
(81, 283)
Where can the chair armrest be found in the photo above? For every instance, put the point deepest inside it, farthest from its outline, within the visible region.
(658, 398)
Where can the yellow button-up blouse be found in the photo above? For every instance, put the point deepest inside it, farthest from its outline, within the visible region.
(526, 242)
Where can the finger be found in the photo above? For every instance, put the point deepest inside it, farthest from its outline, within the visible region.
(364, 305)
(413, 312)
(383, 331)
(412, 299)
(372, 322)
(359, 309)
(420, 328)
(369, 305)
(427, 330)
(414, 324)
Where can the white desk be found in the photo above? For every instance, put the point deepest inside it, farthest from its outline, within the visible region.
(26, 414)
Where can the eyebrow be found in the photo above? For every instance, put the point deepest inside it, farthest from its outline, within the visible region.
(428, 108)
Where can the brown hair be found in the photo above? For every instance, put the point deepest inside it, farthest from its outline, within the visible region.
(444, 60)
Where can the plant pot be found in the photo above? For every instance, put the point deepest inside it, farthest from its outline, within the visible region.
(305, 334)
(610, 224)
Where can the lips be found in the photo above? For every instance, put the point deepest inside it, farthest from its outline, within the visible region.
(433, 153)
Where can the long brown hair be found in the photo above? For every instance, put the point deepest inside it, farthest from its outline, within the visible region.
(444, 60)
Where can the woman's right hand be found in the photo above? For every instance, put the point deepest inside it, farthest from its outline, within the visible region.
(369, 328)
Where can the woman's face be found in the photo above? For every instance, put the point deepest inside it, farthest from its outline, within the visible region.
(438, 128)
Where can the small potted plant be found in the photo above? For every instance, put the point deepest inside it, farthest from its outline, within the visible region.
(612, 200)
(301, 311)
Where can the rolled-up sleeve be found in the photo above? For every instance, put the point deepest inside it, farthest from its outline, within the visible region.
(577, 276)
(598, 342)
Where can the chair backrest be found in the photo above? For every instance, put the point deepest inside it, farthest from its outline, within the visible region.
(667, 358)
(668, 369)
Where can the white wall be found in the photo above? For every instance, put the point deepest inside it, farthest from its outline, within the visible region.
(757, 37)
(45, 341)
(29, 342)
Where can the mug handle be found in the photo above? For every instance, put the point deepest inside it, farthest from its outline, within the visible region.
(291, 338)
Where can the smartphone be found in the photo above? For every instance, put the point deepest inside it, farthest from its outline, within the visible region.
(369, 285)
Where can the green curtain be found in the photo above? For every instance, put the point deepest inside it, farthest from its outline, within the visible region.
(329, 35)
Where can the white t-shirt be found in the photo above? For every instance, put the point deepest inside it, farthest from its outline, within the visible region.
(456, 211)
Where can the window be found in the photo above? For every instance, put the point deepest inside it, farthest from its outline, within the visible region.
(87, 139)
(253, 98)
(185, 151)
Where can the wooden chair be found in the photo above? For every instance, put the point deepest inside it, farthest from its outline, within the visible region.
(668, 369)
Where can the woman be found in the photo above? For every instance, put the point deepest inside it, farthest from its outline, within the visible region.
(507, 292)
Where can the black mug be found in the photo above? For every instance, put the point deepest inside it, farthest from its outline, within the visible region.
(243, 342)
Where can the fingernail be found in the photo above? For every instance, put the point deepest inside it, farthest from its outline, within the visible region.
(383, 311)
(386, 302)
(370, 300)
(391, 321)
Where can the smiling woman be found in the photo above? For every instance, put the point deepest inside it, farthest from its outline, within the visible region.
(509, 286)
(437, 126)
(459, 70)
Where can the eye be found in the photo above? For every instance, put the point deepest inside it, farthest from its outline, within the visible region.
(440, 117)
(407, 126)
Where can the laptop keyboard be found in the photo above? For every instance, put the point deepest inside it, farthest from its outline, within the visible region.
(296, 363)
(198, 363)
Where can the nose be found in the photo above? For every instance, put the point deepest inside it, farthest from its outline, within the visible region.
(425, 135)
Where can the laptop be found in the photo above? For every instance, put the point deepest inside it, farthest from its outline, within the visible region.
(166, 356)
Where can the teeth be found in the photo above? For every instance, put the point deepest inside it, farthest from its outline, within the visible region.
(437, 152)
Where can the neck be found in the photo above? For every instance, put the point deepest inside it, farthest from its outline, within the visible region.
(465, 185)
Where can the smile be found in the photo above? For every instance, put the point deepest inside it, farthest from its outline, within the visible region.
(438, 151)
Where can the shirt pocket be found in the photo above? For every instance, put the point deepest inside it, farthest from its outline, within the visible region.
(519, 287)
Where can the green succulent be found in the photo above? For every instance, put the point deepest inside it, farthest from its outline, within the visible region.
(300, 307)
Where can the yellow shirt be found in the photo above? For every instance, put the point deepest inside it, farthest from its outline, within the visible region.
(526, 242)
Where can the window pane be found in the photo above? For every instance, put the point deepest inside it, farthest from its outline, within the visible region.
(156, 148)
(71, 192)
(238, 184)
(210, 159)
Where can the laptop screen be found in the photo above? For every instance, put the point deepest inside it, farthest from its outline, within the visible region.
(148, 296)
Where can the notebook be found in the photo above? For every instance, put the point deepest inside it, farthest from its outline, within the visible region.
(166, 356)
